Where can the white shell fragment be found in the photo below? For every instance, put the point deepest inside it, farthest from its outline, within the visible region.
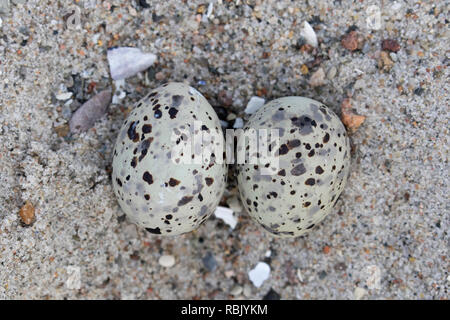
(226, 214)
(254, 104)
(259, 274)
(92, 110)
(125, 62)
(309, 34)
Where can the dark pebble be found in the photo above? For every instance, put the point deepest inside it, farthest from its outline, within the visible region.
(209, 261)
(272, 295)
(322, 275)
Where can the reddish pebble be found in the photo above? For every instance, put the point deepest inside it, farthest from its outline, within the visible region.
(390, 45)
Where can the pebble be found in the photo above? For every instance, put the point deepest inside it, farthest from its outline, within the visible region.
(238, 123)
(231, 117)
(317, 78)
(351, 41)
(167, 261)
(226, 214)
(254, 104)
(349, 119)
(92, 110)
(259, 274)
(272, 295)
(64, 96)
(332, 73)
(125, 62)
(247, 291)
(359, 293)
(390, 45)
(209, 261)
(322, 275)
(237, 290)
(26, 213)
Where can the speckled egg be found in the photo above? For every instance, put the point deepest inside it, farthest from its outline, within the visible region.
(314, 158)
(155, 187)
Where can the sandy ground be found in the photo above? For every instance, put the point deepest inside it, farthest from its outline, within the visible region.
(388, 237)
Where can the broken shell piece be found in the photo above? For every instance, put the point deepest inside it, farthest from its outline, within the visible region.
(254, 104)
(226, 214)
(309, 34)
(259, 274)
(92, 110)
(125, 62)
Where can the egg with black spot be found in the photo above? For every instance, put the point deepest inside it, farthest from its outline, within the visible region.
(290, 196)
(168, 174)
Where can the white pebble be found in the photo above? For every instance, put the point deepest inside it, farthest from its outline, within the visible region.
(299, 275)
(226, 214)
(64, 96)
(309, 34)
(238, 123)
(259, 274)
(254, 104)
(167, 261)
(125, 62)
(359, 293)
(237, 290)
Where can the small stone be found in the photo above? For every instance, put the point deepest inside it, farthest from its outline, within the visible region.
(332, 73)
(259, 274)
(26, 213)
(167, 261)
(390, 45)
(159, 76)
(322, 275)
(92, 110)
(237, 290)
(229, 274)
(351, 41)
(304, 69)
(384, 62)
(317, 78)
(247, 291)
(326, 250)
(238, 123)
(64, 96)
(349, 119)
(209, 261)
(359, 293)
(231, 117)
(62, 130)
(272, 295)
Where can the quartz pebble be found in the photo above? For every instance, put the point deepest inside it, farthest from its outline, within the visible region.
(167, 261)
(359, 293)
(238, 123)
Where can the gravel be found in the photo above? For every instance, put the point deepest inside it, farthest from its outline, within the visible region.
(389, 231)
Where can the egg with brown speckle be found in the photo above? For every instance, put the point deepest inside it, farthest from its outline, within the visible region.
(160, 182)
(313, 164)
